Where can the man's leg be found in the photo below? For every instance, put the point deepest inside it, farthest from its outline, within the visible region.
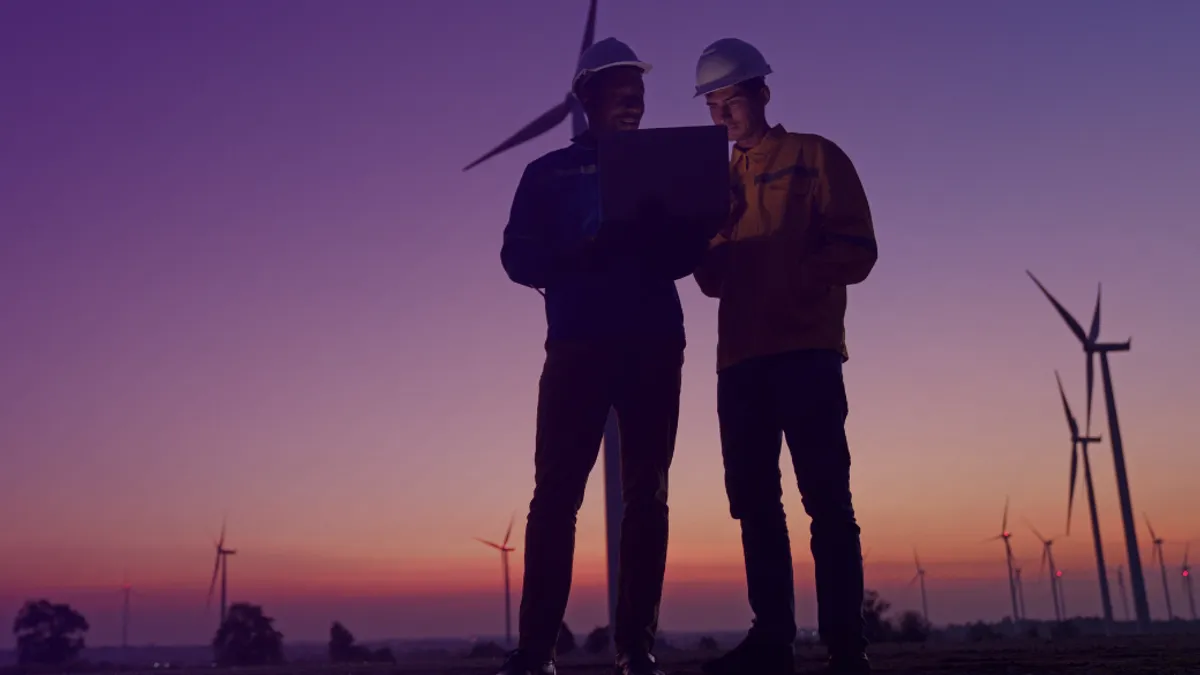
(647, 403)
(573, 403)
(812, 397)
(751, 440)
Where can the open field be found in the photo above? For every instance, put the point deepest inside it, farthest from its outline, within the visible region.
(1158, 655)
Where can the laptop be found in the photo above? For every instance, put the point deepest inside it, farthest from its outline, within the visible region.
(684, 169)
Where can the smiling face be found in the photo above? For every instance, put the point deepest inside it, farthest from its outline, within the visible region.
(741, 108)
(614, 99)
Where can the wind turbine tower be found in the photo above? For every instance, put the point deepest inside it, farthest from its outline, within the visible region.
(222, 566)
(1124, 593)
(1079, 445)
(1186, 573)
(1020, 592)
(1008, 560)
(504, 549)
(1091, 347)
(920, 576)
(1055, 574)
(613, 504)
(1156, 551)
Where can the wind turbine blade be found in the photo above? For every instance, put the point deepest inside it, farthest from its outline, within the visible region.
(1004, 523)
(213, 584)
(489, 543)
(914, 579)
(1042, 568)
(1091, 385)
(1035, 531)
(1094, 330)
(589, 29)
(1071, 423)
(917, 560)
(1186, 549)
(547, 121)
(1150, 527)
(509, 532)
(1062, 311)
(221, 541)
(1074, 472)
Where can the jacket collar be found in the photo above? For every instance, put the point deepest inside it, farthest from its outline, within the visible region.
(765, 146)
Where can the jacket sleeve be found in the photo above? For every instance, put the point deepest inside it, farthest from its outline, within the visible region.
(528, 253)
(843, 249)
(710, 273)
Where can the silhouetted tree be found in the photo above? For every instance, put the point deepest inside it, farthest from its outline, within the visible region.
(913, 628)
(566, 641)
(597, 641)
(708, 644)
(981, 632)
(248, 638)
(1064, 630)
(878, 628)
(342, 648)
(383, 655)
(48, 633)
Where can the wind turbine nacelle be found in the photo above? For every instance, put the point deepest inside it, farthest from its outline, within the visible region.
(1113, 346)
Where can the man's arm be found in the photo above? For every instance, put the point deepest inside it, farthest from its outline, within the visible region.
(710, 273)
(844, 249)
(529, 254)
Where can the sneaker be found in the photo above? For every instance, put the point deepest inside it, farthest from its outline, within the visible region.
(518, 663)
(754, 657)
(641, 665)
(856, 664)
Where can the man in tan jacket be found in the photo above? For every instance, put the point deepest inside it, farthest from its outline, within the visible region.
(800, 233)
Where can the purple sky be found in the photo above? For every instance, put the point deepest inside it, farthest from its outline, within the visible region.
(242, 272)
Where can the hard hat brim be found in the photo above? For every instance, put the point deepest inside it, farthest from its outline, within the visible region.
(640, 65)
(729, 81)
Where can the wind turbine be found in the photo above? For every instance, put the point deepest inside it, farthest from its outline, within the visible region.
(1091, 347)
(1124, 594)
(1156, 551)
(1008, 560)
(1020, 591)
(125, 589)
(1186, 573)
(1079, 445)
(504, 549)
(1055, 574)
(222, 566)
(613, 504)
(920, 576)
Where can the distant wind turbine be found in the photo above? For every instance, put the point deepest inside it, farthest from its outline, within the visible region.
(1079, 445)
(920, 576)
(1186, 573)
(1005, 535)
(1124, 593)
(1091, 347)
(222, 566)
(1020, 592)
(1156, 551)
(504, 549)
(1055, 574)
(614, 505)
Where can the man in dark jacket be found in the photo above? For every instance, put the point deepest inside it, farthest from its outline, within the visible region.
(615, 339)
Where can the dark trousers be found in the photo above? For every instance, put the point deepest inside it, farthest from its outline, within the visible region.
(798, 395)
(578, 386)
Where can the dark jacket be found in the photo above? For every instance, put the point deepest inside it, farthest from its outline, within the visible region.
(593, 293)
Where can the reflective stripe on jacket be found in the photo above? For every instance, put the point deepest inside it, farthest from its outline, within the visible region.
(801, 233)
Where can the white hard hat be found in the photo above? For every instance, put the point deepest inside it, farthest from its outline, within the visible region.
(727, 62)
(607, 53)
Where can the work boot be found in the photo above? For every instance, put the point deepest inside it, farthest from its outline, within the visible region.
(519, 663)
(640, 665)
(853, 664)
(754, 657)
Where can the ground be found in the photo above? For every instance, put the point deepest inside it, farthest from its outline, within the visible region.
(1157, 655)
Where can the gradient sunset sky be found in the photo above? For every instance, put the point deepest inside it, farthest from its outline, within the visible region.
(243, 273)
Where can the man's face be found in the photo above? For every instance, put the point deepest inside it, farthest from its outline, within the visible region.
(615, 99)
(740, 111)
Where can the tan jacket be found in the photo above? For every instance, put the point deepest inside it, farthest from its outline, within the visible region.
(801, 232)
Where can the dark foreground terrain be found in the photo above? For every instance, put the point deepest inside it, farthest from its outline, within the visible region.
(1156, 655)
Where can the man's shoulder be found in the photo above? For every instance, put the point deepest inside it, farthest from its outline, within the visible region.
(814, 148)
(569, 160)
